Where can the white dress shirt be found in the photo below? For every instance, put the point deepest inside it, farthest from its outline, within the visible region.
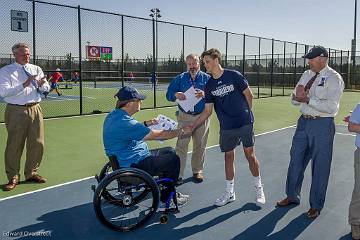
(12, 78)
(324, 94)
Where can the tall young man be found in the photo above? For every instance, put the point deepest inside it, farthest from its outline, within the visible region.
(228, 91)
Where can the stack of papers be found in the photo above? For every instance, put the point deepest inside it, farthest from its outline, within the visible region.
(191, 100)
(164, 123)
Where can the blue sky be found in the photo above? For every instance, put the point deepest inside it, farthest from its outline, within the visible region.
(312, 22)
(325, 22)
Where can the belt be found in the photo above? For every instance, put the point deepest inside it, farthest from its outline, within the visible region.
(25, 105)
(191, 113)
(310, 117)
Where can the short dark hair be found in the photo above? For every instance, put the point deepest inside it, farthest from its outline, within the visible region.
(213, 53)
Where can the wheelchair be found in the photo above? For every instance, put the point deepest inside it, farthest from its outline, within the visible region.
(126, 198)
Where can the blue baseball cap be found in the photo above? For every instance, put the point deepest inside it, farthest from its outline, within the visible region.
(128, 93)
(316, 52)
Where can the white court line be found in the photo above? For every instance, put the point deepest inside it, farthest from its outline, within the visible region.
(83, 179)
(345, 134)
(43, 189)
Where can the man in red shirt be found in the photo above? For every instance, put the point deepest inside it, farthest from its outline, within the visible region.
(55, 77)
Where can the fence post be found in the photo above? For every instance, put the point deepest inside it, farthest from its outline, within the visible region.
(272, 68)
(243, 63)
(258, 71)
(226, 48)
(295, 62)
(122, 52)
(284, 67)
(348, 69)
(33, 33)
(341, 66)
(80, 60)
(205, 45)
(153, 76)
(183, 49)
(304, 62)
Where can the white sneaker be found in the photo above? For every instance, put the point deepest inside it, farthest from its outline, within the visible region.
(182, 199)
(225, 198)
(181, 195)
(260, 196)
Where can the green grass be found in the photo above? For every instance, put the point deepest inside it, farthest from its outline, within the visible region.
(101, 99)
(73, 146)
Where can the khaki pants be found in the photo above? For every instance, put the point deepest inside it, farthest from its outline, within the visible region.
(23, 123)
(354, 209)
(199, 138)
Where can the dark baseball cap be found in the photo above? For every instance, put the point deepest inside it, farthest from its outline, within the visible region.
(316, 52)
(128, 93)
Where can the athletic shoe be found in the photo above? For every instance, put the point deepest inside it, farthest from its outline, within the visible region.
(225, 199)
(181, 195)
(260, 196)
(182, 200)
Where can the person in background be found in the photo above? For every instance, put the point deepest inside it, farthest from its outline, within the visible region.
(54, 79)
(76, 77)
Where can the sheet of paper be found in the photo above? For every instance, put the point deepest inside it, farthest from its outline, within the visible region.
(164, 123)
(191, 100)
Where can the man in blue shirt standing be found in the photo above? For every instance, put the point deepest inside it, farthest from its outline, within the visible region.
(354, 209)
(124, 137)
(181, 83)
(228, 91)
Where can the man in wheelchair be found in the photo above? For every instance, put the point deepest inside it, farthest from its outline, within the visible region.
(124, 137)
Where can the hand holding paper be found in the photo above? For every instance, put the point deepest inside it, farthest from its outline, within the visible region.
(190, 101)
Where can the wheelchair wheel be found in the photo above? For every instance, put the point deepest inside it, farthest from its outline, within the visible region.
(107, 169)
(126, 199)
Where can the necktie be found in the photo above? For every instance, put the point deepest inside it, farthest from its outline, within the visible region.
(33, 82)
(311, 81)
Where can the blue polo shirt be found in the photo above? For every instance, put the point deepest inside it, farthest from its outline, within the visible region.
(123, 137)
(183, 82)
(226, 93)
(355, 118)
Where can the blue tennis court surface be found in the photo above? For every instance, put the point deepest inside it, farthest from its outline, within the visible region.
(66, 212)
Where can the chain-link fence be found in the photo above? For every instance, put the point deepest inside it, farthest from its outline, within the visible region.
(146, 53)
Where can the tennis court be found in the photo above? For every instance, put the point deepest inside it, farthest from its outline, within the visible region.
(66, 211)
(73, 151)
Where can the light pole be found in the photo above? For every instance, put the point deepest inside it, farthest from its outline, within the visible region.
(155, 14)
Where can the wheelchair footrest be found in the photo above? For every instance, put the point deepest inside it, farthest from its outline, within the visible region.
(170, 210)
